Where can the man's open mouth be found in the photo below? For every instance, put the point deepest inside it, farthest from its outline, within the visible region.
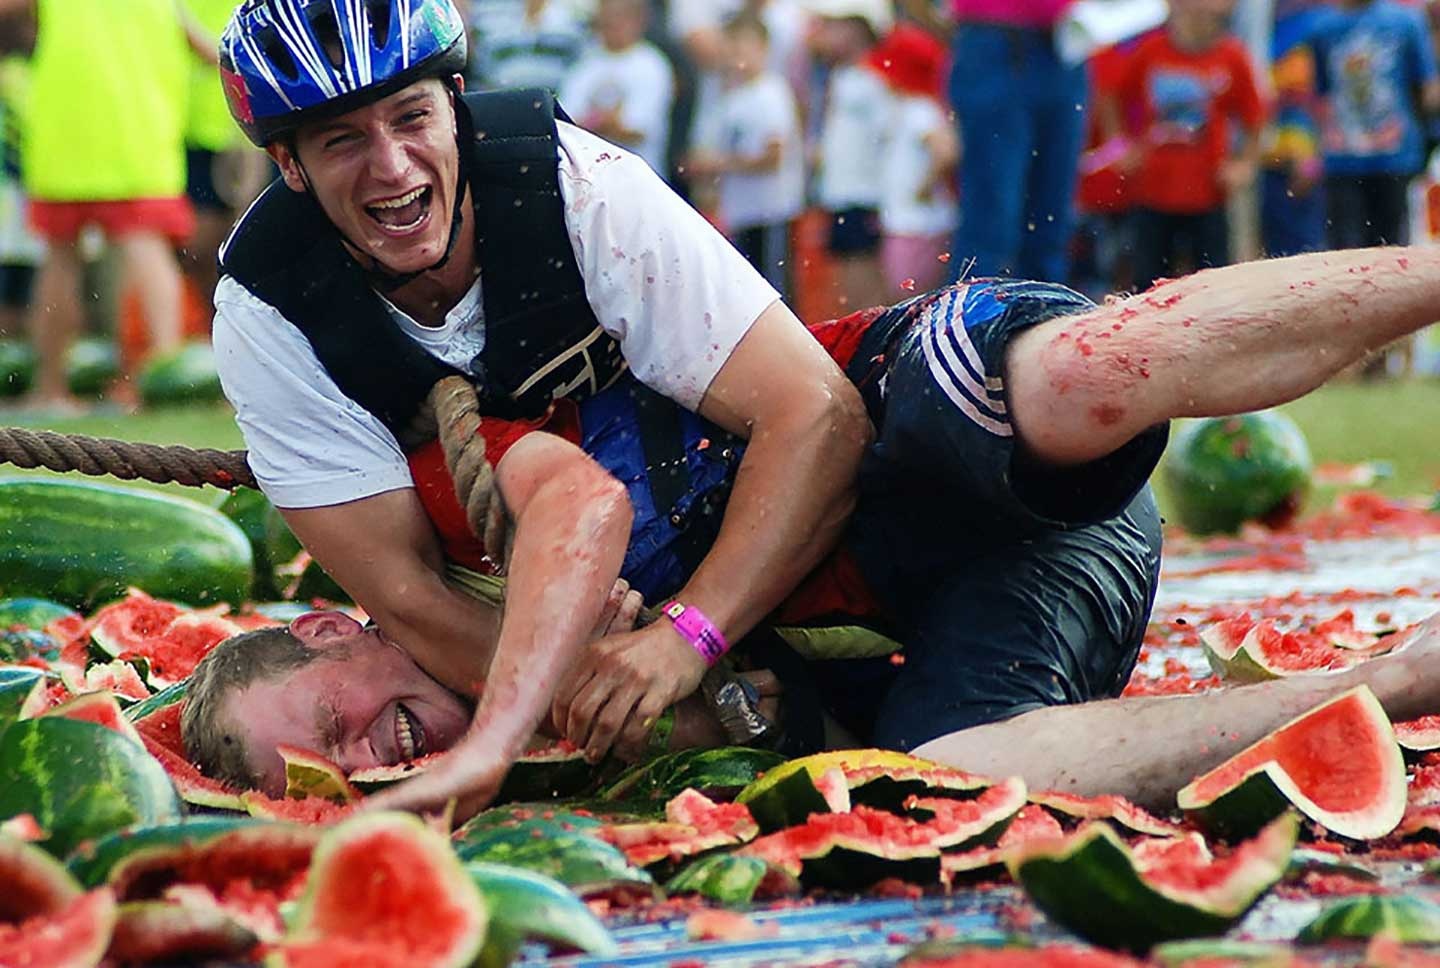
(402, 212)
(410, 737)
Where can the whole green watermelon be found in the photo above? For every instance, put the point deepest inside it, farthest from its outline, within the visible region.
(91, 365)
(1224, 471)
(187, 375)
(17, 367)
(81, 544)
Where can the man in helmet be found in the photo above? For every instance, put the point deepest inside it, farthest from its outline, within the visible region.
(418, 233)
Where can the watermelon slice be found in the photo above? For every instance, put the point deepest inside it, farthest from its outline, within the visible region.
(189, 926)
(693, 824)
(733, 879)
(96, 707)
(1418, 736)
(789, 794)
(308, 774)
(1093, 884)
(1338, 764)
(1031, 824)
(525, 905)
(76, 936)
(1407, 919)
(1107, 807)
(131, 622)
(1243, 651)
(385, 888)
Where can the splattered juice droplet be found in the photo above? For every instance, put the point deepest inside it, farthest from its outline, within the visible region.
(908, 285)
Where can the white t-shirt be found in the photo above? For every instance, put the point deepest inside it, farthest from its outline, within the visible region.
(905, 172)
(659, 277)
(638, 81)
(753, 115)
(857, 107)
(508, 49)
(785, 21)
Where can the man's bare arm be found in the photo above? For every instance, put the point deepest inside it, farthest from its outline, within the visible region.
(1146, 748)
(572, 524)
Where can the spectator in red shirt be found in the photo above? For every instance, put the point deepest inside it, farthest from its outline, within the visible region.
(1188, 84)
(1105, 239)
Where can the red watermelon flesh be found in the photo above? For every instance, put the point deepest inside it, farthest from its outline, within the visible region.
(1032, 823)
(386, 885)
(1341, 632)
(1419, 735)
(163, 727)
(192, 785)
(1050, 956)
(23, 826)
(313, 810)
(175, 652)
(75, 936)
(118, 677)
(35, 883)
(1186, 866)
(1106, 807)
(1338, 764)
(1225, 637)
(131, 622)
(1425, 787)
(693, 823)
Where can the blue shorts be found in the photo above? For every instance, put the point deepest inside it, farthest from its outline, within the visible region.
(1012, 585)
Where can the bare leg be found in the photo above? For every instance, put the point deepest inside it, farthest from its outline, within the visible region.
(1221, 341)
(151, 267)
(54, 320)
(199, 255)
(1147, 748)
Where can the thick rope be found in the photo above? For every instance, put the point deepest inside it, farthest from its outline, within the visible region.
(128, 460)
(452, 412)
(457, 422)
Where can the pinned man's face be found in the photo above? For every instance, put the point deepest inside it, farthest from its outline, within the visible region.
(366, 705)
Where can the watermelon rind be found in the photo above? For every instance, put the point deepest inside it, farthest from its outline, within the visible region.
(32, 613)
(1223, 471)
(524, 906)
(96, 707)
(733, 879)
(1108, 807)
(81, 781)
(18, 360)
(788, 794)
(1215, 952)
(35, 882)
(91, 365)
(75, 936)
(1267, 790)
(1407, 919)
(82, 543)
(152, 704)
(559, 770)
(225, 845)
(182, 376)
(173, 929)
(1091, 883)
(388, 877)
(851, 851)
(721, 772)
(582, 862)
(22, 693)
(1418, 736)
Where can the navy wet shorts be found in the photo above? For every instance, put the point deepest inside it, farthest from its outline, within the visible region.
(1012, 585)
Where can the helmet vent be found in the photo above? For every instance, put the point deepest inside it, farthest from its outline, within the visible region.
(277, 52)
(327, 31)
(379, 11)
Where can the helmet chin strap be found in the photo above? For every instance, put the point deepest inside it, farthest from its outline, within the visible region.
(381, 276)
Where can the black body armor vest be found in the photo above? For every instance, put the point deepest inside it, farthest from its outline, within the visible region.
(542, 340)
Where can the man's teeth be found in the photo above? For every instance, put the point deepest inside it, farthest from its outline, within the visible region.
(402, 201)
(405, 732)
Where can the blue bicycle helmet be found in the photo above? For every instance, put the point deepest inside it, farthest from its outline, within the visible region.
(285, 63)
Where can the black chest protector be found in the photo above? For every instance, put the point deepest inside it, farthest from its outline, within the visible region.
(542, 340)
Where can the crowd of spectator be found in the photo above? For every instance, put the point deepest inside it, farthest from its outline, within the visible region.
(900, 145)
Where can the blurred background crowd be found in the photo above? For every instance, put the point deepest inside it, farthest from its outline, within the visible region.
(855, 151)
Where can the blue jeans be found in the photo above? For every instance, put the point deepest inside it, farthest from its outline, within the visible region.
(1021, 118)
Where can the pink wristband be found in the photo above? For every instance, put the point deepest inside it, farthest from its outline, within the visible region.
(698, 630)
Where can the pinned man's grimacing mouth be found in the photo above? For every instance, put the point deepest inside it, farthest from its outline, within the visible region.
(410, 738)
(402, 212)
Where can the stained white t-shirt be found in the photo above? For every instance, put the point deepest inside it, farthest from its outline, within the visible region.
(751, 117)
(637, 80)
(905, 172)
(659, 278)
(852, 135)
(510, 49)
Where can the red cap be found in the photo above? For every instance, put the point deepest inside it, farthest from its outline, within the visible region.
(911, 60)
